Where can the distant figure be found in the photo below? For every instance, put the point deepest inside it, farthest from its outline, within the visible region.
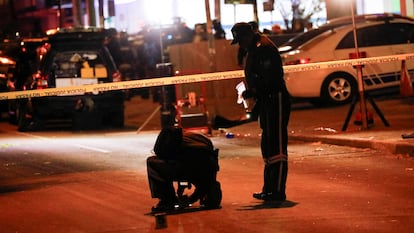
(219, 32)
(200, 32)
(276, 29)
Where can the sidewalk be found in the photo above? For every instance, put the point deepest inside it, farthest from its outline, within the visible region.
(326, 127)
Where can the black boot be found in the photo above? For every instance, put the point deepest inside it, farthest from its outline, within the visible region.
(274, 183)
(166, 204)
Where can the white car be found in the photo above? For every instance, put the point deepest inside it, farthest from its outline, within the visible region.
(377, 37)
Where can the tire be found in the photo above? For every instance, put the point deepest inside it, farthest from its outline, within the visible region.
(213, 198)
(338, 89)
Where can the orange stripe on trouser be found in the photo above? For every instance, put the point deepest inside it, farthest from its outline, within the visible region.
(274, 159)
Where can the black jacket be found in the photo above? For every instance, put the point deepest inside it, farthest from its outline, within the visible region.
(264, 68)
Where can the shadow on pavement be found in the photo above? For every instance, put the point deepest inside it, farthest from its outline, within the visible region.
(269, 205)
(183, 210)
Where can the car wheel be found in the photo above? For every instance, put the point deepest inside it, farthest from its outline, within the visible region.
(339, 88)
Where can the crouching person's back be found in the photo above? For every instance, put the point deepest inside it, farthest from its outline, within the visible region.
(183, 156)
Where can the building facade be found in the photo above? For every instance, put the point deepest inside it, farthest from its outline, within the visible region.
(32, 17)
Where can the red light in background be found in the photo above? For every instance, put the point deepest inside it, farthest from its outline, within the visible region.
(299, 61)
(359, 55)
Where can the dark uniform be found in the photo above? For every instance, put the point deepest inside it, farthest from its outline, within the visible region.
(181, 156)
(264, 77)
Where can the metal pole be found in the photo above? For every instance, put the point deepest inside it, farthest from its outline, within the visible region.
(211, 52)
(60, 14)
(210, 37)
(217, 10)
(77, 13)
(256, 17)
(101, 14)
(363, 107)
(234, 12)
(91, 12)
(403, 7)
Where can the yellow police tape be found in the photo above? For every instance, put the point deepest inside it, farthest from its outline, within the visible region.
(95, 88)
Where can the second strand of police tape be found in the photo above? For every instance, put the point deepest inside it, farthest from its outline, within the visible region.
(96, 88)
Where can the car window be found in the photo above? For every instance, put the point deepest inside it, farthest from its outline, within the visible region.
(316, 40)
(402, 33)
(379, 35)
(304, 37)
(367, 36)
(77, 64)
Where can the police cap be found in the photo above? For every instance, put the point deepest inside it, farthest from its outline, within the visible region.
(239, 30)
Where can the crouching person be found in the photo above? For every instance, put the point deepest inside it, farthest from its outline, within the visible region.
(180, 156)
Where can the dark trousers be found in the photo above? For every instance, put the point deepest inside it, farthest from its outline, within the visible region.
(274, 119)
(161, 175)
(199, 169)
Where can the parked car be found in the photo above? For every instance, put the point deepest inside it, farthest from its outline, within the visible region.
(73, 57)
(376, 37)
(296, 41)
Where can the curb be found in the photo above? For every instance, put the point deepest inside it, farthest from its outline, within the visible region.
(390, 146)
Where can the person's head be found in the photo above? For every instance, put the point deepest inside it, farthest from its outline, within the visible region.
(168, 142)
(255, 26)
(243, 34)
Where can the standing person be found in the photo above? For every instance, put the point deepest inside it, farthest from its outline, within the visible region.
(264, 77)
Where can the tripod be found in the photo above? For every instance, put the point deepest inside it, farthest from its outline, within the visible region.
(371, 101)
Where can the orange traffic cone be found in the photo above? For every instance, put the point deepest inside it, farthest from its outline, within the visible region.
(406, 87)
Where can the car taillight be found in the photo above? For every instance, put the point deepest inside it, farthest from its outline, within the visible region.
(298, 62)
(116, 76)
(41, 81)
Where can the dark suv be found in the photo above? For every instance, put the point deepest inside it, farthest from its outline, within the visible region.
(74, 57)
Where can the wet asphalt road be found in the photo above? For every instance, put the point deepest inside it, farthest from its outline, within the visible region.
(63, 181)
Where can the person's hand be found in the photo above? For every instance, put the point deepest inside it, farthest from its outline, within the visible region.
(247, 94)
